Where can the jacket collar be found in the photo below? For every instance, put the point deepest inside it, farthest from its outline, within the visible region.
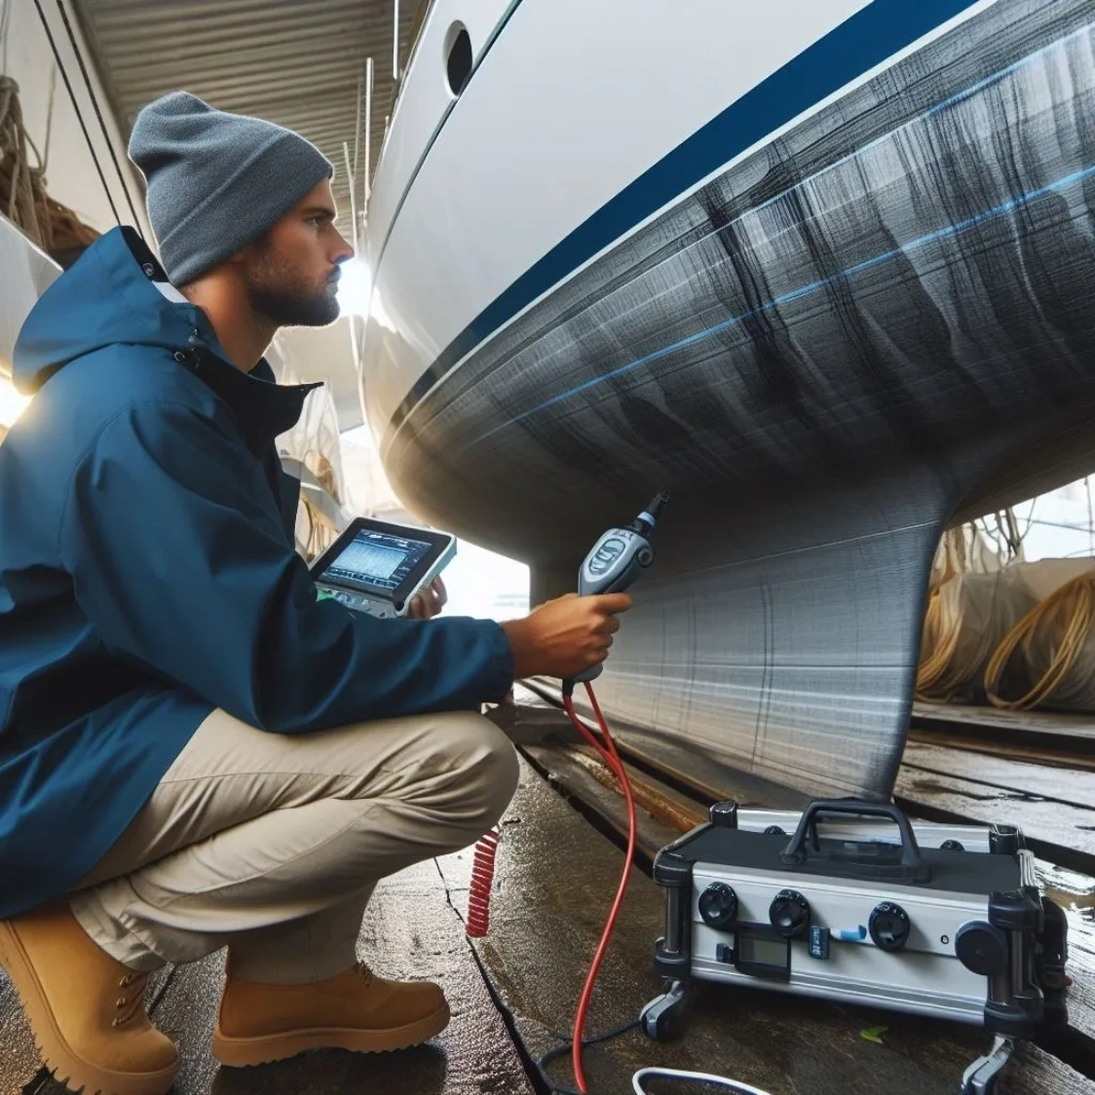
(263, 408)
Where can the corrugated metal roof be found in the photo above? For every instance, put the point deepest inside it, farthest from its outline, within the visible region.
(294, 62)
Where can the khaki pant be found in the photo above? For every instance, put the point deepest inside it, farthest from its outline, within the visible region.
(271, 844)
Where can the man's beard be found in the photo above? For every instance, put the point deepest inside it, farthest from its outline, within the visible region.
(286, 300)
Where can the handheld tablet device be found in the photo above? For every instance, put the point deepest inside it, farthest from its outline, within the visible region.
(377, 567)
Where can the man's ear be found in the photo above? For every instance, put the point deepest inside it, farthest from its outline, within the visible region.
(250, 251)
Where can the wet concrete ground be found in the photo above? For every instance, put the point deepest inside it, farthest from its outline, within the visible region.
(411, 930)
(570, 770)
(514, 993)
(786, 1046)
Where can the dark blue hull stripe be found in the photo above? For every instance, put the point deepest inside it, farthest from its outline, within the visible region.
(866, 39)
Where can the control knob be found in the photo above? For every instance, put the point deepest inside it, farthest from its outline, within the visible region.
(724, 814)
(789, 913)
(718, 905)
(889, 926)
(982, 948)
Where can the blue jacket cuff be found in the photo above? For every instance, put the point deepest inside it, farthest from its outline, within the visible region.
(499, 677)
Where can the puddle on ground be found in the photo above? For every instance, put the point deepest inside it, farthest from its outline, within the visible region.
(1075, 893)
(1067, 888)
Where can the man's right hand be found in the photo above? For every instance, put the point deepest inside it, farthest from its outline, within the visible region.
(561, 638)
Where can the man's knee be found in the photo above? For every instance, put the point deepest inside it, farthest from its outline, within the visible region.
(487, 764)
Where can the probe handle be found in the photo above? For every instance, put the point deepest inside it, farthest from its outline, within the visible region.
(612, 565)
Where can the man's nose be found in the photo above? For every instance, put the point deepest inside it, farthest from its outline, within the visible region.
(345, 252)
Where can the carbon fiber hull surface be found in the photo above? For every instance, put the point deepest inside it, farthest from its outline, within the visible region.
(877, 323)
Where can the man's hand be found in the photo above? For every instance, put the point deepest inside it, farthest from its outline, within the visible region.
(428, 601)
(566, 636)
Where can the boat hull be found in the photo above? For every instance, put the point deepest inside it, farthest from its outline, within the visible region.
(873, 322)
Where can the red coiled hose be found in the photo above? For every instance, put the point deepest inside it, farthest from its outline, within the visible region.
(482, 873)
(482, 877)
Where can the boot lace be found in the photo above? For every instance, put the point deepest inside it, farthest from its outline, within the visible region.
(130, 998)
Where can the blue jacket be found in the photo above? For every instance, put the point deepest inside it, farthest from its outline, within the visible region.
(148, 575)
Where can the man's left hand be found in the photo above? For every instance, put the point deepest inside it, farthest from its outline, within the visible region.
(429, 601)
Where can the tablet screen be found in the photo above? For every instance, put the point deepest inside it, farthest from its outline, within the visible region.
(375, 562)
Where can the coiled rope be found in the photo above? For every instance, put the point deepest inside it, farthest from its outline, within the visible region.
(19, 180)
(1070, 610)
(931, 683)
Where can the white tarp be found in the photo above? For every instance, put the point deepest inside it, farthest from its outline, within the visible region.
(26, 274)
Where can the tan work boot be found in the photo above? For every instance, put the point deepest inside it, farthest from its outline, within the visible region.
(355, 1010)
(85, 1009)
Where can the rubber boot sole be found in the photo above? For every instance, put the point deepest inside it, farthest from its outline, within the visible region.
(261, 1049)
(57, 1055)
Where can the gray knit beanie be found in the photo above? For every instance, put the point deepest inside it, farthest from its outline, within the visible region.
(216, 181)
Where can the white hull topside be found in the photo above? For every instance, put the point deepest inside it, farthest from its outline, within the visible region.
(572, 103)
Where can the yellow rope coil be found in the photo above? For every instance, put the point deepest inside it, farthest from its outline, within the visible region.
(941, 644)
(944, 669)
(1073, 602)
(966, 618)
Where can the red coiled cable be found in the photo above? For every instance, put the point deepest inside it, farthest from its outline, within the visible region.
(482, 874)
(482, 878)
(611, 757)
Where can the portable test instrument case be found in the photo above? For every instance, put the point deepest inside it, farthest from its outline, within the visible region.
(849, 901)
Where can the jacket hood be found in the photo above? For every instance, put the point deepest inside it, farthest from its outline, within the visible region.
(117, 292)
(109, 295)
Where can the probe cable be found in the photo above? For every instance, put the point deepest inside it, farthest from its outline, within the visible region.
(610, 755)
